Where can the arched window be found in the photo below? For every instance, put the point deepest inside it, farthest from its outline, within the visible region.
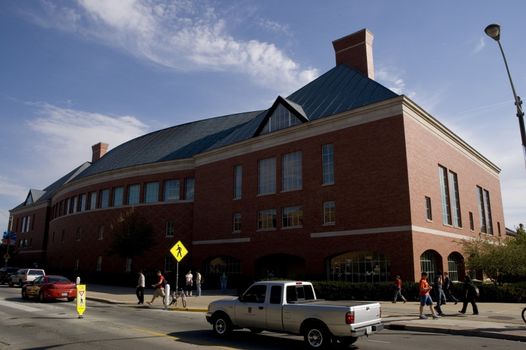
(221, 264)
(455, 266)
(429, 263)
(359, 267)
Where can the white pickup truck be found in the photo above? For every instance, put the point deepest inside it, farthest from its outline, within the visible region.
(291, 307)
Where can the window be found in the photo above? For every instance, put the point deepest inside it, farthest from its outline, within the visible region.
(329, 213)
(429, 263)
(429, 212)
(128, 266)
(291, 171)
(450, 197)
(83, 202)
(171, 190)
(486, 223)
(71, 205)
(189, 188)
(267, 176)
(238, 181)
(360, 266)
(168, 263)
(105, 198)
(118, 196)
(236, 224)
(299, 293)
(101, 233)
(170, 228)
(292, 217)
(93, 200)
(152, 192)
(134, 194)
(455, 265)
(471, 222)
(275, 295)
(281, 118)
(98, 268)
(78, 233)
(267, 219)
(75, 204)
(327, 157)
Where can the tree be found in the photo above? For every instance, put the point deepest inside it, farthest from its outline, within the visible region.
(132, 235)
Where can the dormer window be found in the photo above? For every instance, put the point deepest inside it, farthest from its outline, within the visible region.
(283, 114)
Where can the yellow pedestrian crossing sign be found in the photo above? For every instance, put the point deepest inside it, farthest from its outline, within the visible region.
(81, 299)
(178, 251)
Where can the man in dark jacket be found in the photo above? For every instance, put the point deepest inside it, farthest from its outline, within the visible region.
(447, 288)
(470, 294)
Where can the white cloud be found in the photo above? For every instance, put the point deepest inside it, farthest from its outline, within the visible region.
(181, 35)
(65, 136)
(480, 45)
(393, 80)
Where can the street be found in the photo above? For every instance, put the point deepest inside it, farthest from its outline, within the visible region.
(32, 325)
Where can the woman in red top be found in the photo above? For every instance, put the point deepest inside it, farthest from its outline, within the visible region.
(159, 288)
(398, 289)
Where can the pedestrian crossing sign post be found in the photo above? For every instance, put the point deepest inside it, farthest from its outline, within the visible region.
(81, 299)
(179, 252)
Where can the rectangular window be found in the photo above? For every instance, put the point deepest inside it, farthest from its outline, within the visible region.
(93, 200)
(450, 196)
(292, 217)
(236, 223)
(275, 295)
(429, 211)
(78, 234)
(171, 190)
(134, 194)
(101, 233)
(128, 266)
(168, 263)
(267, 176)
(105, 198)
(267, 219)
(329, 213)
(98, 268)
(189, 188)
(292, 172)
(152, 192)
(83, 202)
(486, 221)
(238, 181)
(327, 156)
(170, 228)
(471, 222)
(71, 205)
(75, 204)
(118, 196)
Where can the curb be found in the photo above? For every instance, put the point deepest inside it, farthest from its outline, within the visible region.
(114, 302)
(465, 332)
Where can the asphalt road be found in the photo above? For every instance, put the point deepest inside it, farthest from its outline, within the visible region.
(32, 325)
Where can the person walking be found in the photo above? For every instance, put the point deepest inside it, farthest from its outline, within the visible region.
(198, 281)
(139, 291)
(398, 290)
(223, 281)
(158, 287)
(439, 293)
(425, 298)
(447, 289)
(470, 293)
(189, 278)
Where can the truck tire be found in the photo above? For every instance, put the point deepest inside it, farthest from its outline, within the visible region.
(221, 325)
(316, 336)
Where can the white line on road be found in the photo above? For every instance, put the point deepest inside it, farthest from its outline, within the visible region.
(17, 306)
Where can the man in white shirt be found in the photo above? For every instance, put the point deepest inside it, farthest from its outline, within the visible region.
(189, 283)
(141, 283)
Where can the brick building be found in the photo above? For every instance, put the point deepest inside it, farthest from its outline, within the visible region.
(343, 179)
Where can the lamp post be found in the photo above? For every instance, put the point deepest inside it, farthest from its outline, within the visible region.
(493, 31)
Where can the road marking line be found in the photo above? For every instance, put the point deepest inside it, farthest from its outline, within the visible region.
(18, 306)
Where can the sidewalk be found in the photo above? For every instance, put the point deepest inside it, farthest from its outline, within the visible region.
(496, 320)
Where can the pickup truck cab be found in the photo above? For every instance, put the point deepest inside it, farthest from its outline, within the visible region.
(292, 307)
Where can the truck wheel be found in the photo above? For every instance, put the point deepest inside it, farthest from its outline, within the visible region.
(316, 337)
(222, 325)
(41, 297)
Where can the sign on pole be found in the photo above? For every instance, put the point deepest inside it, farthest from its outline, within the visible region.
(179, 251)
(81, 299)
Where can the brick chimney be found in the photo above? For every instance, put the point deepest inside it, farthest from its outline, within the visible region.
(356, 50)
(99, 150)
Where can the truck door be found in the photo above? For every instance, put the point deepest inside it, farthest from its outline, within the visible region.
(251, 310)
(274, 308)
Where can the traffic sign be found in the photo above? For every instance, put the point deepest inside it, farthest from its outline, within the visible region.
(179, 251)
(81, 299)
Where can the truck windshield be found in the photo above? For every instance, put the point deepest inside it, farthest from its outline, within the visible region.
(299, 293)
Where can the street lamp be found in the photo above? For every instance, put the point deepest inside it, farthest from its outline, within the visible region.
(493, 31)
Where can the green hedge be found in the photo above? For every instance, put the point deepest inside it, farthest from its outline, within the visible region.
(334, 290)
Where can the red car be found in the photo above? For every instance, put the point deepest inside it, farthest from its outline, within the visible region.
(50, 287)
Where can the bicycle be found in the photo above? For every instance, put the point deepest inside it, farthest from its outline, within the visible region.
(524, 315)
(176, 295)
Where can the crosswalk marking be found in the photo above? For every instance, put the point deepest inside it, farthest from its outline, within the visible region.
(18, 306)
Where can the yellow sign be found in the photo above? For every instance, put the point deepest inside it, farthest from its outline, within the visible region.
(178, 251)
(81, 299)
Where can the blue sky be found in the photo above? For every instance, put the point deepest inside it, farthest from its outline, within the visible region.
(73, 73)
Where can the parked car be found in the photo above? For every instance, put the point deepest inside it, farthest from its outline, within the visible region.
(6, 272)
(50, 287)
(25, 275)
(292, 307)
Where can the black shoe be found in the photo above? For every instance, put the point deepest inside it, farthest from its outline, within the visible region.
(462, 312)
